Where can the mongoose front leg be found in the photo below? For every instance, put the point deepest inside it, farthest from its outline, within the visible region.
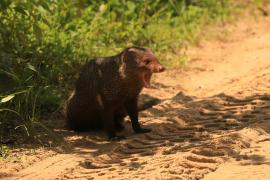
(132, 109)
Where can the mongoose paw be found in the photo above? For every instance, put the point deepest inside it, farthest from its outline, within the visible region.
(142, 130)
(116, 138)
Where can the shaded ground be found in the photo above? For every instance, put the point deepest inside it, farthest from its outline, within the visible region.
(212, 122)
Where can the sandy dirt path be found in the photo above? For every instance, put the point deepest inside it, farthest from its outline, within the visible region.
(213, 122)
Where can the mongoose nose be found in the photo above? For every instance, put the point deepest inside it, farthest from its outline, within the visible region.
(161, 68)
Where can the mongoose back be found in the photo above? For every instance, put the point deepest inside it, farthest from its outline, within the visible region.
(108, 88)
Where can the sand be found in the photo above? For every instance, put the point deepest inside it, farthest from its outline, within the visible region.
(212, 121)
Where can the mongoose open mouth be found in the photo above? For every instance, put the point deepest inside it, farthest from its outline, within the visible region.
(146, 78)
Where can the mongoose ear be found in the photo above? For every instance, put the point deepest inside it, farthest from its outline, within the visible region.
(134, 50)
(137, 49)
(133, 53)
(128, 54)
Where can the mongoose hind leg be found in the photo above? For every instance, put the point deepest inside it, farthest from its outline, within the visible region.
(109, 125)
(119, 119)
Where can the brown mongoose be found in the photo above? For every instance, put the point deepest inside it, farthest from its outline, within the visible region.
(108, 88)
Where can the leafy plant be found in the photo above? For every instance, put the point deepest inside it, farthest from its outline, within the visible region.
(4, 152)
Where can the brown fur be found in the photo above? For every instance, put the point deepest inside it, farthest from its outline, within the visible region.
(107, 88)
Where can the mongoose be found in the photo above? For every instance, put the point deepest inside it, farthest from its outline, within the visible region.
(108, 88)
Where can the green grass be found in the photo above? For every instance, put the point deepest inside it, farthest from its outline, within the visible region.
(44, 42)
(4, 152)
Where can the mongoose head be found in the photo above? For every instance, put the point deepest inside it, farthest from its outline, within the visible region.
(142, 63)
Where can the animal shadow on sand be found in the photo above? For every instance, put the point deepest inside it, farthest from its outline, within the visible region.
(180, 124)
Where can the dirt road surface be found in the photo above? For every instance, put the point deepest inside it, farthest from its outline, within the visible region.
(213, 122)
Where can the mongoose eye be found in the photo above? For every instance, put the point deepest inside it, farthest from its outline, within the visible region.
(147, 61)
